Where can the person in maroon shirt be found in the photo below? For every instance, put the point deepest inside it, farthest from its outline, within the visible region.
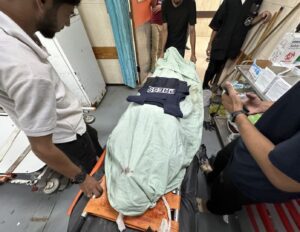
(156, 27)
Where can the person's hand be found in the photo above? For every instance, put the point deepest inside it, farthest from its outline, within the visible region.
(91, 187)
(156, 9)
(193, 58)
(266, 16)
(253, 104)
(208, 50)
(231, 101)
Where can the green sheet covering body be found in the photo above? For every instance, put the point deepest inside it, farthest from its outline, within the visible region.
(148, 151)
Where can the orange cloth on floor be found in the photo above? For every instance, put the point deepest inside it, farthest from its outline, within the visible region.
(141, 11)
(152, 218)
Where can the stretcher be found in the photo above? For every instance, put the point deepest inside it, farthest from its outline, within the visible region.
(146, 135)
(97, 215)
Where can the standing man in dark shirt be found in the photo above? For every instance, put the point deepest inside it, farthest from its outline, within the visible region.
(263, 164)
(179, 16)
(230, 26)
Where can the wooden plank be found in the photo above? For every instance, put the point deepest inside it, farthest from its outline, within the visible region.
(105, 53)
(200, 14)
(205, 14)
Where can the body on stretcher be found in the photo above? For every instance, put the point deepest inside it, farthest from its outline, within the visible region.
(151, 220)
(149, 151)
(86, 214)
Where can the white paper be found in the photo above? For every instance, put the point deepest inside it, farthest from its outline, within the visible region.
(265, 79)
(279, 88)
(288, 50)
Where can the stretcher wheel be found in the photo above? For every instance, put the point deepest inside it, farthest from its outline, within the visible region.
(51, 186)
(89, 119)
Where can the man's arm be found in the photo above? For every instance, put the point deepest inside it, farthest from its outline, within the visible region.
(58, 161)
(193, 42)
(192, 31)
(264, 16)
(216, 24)
(212, 37)
(258, 145)
(164, 35)
(164, 32)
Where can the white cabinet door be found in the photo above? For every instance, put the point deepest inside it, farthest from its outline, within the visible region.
(73, 59)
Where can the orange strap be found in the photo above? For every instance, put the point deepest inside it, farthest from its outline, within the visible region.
(94, 170)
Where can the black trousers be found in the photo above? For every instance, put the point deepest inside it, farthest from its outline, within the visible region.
(225, 198)
(214, 68)
(181, 51)
(84, 150)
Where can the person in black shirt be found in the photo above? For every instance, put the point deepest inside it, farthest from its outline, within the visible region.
(263, 164)
(179, 17)
(230, 26)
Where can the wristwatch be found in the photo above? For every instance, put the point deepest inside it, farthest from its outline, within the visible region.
(234, 114)
(79, 178)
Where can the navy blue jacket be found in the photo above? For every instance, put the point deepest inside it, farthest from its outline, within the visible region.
(164, 92)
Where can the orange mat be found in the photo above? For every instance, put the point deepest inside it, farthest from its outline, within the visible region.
(152, 218)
